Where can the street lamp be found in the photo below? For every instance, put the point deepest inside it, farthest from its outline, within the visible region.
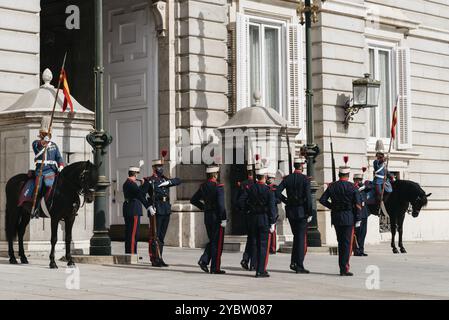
(365, 92)
(308, 13)
(99, 139)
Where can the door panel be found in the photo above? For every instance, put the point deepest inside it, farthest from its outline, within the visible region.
(130, 85)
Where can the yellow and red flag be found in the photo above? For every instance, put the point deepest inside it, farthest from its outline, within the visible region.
(394, 121)
(66, 91)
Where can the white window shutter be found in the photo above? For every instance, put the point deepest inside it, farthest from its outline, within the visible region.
(295, 79)
(242, 27)
(404, 128)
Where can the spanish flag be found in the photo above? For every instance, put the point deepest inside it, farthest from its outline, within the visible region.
(394, 122)
(66, 90)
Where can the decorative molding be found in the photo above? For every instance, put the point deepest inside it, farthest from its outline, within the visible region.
(431, 33)
(160, 14)
(345, 8)
(391, 16)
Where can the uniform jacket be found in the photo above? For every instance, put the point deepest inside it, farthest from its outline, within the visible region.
(273, 188)
(345, 203)
(134, 198)
(53, 159)
(210, 198)
(242, 187)
(159, 197)
(261, 203)
(364, 189)
(298, 203)
(379, 173)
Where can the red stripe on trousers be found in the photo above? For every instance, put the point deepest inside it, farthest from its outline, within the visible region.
(133, 236)
(305, 242)
(273, 241)
(219, 246)
(350, 249)
(268, 253)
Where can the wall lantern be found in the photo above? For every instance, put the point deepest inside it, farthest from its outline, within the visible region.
(365, 92)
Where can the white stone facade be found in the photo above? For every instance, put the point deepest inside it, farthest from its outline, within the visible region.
(199, 78)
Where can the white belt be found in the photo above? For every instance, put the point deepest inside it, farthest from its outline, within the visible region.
(41, 152)
(47, 162)
(380, 169)
(379, 176)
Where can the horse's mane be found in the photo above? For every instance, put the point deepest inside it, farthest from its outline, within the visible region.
(410, 188)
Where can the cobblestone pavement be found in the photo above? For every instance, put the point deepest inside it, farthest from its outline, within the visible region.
(423, 273)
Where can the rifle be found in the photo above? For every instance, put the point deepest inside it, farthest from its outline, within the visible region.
(44, 155)
(334, 175)
(153, 238)
(290, 160)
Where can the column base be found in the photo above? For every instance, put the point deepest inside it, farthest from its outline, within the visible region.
(100, 244)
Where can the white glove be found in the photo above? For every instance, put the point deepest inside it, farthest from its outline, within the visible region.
(151, 210)
(164, 184)
(358, 223)
(60, 168)
(309, 219)
(272, 228)
(223, 223)
(47, 139)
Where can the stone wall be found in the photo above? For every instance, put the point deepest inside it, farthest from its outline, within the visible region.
(19, 49)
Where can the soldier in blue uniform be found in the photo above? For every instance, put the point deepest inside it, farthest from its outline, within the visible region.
(247, 262)
(381, 173)
(52, 165)
(210, 199)
(273, 186)
(298, 209)
(132, 208)
(262, 218)
(345, 206)
(364, 189)
(159, 199)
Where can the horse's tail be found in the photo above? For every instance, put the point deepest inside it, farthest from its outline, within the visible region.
(12, 189)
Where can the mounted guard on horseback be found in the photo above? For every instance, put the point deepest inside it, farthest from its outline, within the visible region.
(49, 163)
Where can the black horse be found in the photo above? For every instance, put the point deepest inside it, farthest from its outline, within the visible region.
(405, 193)
(77, 179)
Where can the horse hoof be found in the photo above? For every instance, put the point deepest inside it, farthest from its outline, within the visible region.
(403, 250)
(53, 265)
(13, 260)
(23, 260)
(395, 250)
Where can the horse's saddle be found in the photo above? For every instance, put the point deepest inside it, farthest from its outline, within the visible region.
(27, 193)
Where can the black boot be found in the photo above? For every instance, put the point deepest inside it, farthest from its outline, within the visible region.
(203, 266)
(244, 264)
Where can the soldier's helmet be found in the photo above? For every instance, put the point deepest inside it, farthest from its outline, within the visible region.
(212, 169)
(45, 127)
(380, 149)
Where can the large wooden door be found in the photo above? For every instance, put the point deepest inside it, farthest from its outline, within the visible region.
(130, 49)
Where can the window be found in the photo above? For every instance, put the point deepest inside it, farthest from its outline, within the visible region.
(391, 65)
(269, 60)
(380, 68)
(265, 64)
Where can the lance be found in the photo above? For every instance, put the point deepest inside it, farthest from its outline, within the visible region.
(382, 204)
(334, 175)
(290, 160)
(44, 155)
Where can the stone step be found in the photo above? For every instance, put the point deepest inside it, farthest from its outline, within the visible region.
(287, 248)
(234, 243)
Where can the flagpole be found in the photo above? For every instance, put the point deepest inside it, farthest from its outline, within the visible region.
(388, 155)
(44, 155)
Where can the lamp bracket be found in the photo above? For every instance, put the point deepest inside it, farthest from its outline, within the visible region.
(350, 111)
